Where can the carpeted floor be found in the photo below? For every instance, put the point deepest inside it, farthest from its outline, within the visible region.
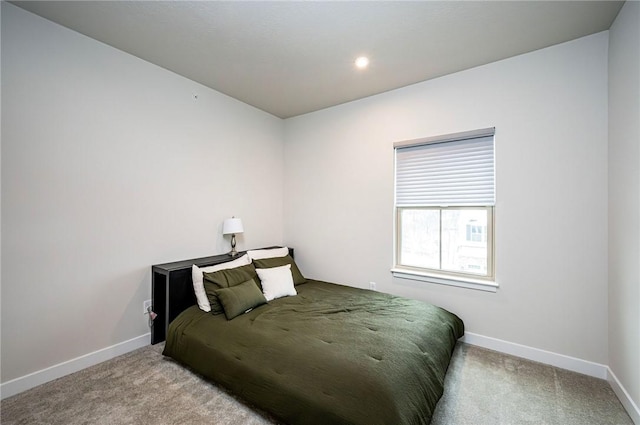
(142, 387)
(484, 387)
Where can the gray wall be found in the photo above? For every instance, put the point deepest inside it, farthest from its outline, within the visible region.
(624, 199)
(110, 165)
(549, 109)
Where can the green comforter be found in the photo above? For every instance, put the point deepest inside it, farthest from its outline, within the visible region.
(330, 355)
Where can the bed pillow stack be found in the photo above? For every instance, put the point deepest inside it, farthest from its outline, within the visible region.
(280, 272)
(237, 286)
(267, 263)
(197, 278)
(229, 278)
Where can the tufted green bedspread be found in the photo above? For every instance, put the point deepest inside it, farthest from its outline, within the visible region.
(330, 355)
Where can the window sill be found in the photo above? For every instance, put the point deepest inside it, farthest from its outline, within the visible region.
(462, 282)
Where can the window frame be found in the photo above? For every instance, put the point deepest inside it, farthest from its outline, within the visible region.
(455, 278)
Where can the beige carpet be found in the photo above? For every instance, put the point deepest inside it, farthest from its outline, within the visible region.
(482, 388)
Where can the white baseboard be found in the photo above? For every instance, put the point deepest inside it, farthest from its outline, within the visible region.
(559, 360)
(547, 357)
(626, 400)
(18, 385)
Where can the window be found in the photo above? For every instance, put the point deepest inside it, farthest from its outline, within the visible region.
(444, 200)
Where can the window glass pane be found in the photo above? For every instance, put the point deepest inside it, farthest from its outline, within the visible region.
(420, 238)
(464, 240)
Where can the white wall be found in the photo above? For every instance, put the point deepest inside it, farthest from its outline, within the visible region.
(549, 108)
(110, 165)
(624, 199)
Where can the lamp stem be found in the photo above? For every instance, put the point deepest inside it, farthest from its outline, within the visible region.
(233, 252)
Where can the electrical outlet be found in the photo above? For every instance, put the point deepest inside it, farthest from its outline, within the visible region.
(372, 286)
(145, 306)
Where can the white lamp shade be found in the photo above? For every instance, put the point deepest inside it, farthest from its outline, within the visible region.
(232, 226)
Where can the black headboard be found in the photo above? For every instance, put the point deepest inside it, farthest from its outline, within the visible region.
(172, 289)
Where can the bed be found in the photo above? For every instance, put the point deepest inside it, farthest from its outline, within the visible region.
(331, 354)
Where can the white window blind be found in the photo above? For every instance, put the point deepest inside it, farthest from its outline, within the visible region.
(451, 170)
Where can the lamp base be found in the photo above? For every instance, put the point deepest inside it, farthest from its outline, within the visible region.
(233, 251)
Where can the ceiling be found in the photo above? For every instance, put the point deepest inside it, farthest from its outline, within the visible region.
(290, 58)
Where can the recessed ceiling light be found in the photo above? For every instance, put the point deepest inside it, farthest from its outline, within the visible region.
(362, 62)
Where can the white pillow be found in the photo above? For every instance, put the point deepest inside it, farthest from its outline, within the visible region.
(276, 282)
(198, 279)
(259, 254)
